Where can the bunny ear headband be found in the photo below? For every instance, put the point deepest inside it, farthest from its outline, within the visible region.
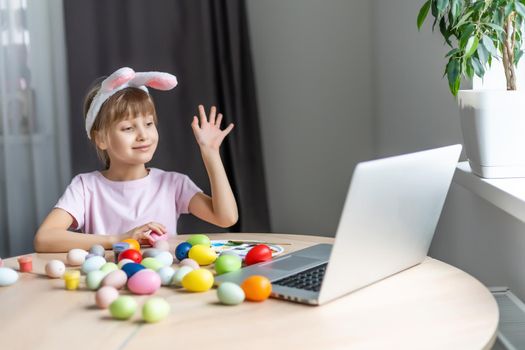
(123, 78)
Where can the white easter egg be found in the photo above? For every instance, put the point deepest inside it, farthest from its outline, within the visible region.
(166, 274)
(55, 269)
(76, 257)
(8, 276)
(179, 275)
(165, 258)
(92, 264)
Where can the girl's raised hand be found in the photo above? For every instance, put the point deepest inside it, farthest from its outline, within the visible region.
(209, 134)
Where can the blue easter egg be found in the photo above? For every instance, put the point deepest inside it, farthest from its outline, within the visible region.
(181, 252)
(132, 268)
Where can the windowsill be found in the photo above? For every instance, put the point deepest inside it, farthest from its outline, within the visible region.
(506, 194)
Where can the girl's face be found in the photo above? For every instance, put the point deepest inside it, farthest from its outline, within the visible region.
(132, 141)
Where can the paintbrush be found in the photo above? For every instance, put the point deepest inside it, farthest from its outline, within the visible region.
(257, 242)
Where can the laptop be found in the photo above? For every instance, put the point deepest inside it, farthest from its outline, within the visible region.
(388, 220)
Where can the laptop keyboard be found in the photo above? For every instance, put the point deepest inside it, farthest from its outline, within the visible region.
(309, 280)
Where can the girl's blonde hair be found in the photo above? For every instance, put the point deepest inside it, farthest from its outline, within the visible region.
(124, 104)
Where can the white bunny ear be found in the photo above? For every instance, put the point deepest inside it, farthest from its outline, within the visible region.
(117, 79)
(157, 80)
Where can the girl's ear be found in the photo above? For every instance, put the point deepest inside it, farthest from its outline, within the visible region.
(101, 140)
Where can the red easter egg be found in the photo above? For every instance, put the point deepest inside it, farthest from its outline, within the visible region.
(259, 253)
(131, 254)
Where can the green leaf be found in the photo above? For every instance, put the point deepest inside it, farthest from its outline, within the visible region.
(489, 45)
(517, 56)
(508, 9)
(455, 9)
(444, 31)
(453, 74)
(441, 5)
(478, 67)
(463, 19)
(423, 14)
(495, 27)
(467, 31)
(472, 45)
(520, 8)
(452, 52)
(483, 54)
(469, 69)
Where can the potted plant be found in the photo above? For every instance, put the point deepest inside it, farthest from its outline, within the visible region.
(492, 121)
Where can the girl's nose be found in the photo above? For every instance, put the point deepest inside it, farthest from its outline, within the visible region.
(141, 134)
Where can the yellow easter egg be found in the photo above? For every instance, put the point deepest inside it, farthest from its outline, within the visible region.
(133, 243)
(202, 254)
(199, 280)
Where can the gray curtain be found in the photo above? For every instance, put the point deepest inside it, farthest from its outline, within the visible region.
(205, 44)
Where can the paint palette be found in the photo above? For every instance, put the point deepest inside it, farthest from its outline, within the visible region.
(241, 249)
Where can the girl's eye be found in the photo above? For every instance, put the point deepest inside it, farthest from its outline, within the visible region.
(129, 128)
(149, 123)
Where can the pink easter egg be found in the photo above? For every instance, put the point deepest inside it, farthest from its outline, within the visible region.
(162, 244)
(116, 279)
(105, 296)
(156, 237)
(191, 263)
(144, 282)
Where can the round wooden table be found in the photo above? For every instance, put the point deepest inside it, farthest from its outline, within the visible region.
(430, 306)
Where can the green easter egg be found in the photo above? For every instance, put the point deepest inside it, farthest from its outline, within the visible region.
(123, 307)
(199, 239)
(152, 263)
(179, 275)
(109, 267)
(227, 263)
(155, 309)
(94, 279)
(230, 294)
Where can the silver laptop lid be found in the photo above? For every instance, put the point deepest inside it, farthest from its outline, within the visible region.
(389, 217)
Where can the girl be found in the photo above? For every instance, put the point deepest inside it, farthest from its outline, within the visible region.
(127, 199)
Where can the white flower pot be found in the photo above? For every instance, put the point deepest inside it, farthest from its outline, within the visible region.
(493, 126)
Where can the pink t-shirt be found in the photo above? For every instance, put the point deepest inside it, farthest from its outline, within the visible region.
(107, 207)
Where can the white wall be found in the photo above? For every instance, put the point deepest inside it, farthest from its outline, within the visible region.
(413, 108)
(312, 66)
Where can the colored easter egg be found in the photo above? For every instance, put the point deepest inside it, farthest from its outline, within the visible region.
(93, 264)
(181, 252)
(257, 288)
(203, 255)
(132, 268)
(123, 307)
(152, 263)
(97, 249)
(155, 310)
(131, 254)
(116, 279)
(190, 262)
(124, 262)
(105, 296)
(108, 267)
(179, 275)
(94, 278)
(165, 258)
(150, 253)
(162, 245)
(144, 282)
(8, 276)
(259, 253)
(155, 237)
(166, 275)
(199, 280)
(227, 263)
(55, 269)
(199, 239)
(133, 243)
(230, 293)
(76, 257)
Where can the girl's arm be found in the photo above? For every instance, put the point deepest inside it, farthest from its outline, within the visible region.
(53, 235)
(220, 209)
